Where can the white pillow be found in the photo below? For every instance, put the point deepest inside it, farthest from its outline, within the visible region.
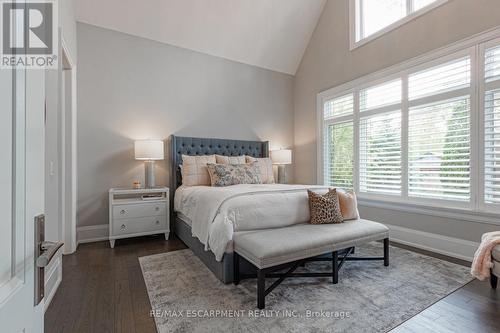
(266, 168)
(230, 159)
(194, 170)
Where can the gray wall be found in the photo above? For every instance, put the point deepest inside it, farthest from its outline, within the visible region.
(328, 62)
(132, 88)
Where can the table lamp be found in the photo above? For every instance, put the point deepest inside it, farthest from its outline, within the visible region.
(149, 151)
(281, 158)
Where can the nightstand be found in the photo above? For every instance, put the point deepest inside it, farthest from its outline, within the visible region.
(138, 212)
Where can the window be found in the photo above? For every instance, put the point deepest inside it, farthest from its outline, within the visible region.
(380, 154)
(378, 14)
(371, 18)
(380, 95)
(380, 138)
(428, 134)
(340, 155)
(439, 132)
(439, 150)
(440, 79)
(339, 138)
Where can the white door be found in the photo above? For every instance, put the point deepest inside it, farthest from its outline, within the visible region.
(22, 98)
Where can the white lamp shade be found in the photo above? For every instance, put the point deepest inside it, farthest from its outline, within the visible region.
(149, 150)
(282, 156)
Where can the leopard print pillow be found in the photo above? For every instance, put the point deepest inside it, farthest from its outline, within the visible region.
(325, 208)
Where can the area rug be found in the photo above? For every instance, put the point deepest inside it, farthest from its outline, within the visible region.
(186, 297)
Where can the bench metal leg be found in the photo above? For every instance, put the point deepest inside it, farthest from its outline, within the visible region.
(493, 280)
(335, 267)
(261, 289)
(270, 272)
(236, 270)
(386, 251)
(353, 250)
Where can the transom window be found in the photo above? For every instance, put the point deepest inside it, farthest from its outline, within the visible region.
(371, 18)
(428, 134)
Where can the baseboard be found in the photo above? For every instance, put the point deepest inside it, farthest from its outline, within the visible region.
(449, 246)
(92, 233)
(53, 278)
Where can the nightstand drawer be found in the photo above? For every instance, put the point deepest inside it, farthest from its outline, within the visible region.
(139, 210)
(138, 225)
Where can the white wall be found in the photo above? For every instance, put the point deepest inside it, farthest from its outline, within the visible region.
(133, 88)
(328, 62)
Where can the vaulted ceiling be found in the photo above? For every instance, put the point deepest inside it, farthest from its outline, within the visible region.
(271, 34)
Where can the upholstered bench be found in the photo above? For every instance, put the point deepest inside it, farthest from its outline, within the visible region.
(495, 270)
(270, 250)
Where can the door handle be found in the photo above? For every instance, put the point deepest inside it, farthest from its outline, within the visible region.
(47, 250)
(44, 252)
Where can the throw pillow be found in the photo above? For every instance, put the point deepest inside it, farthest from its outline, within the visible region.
(194, 170)
(234, 174)
(348, 204)
(324, 208)
(266, 168)
(220, 159)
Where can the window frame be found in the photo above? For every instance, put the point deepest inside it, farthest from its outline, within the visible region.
(474, 47)
(483, 87)
(355, 21)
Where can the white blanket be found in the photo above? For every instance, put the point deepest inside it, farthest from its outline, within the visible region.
(217, 212)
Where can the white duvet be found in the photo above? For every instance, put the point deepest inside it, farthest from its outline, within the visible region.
(217, 212)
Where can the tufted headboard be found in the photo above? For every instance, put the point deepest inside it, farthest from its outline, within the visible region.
(201, 146)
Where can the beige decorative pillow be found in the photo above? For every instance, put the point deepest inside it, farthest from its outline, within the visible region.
(266, 168)
(220, 159)
(348, 204)
(194, 170)
(324, 208)
(233, 174)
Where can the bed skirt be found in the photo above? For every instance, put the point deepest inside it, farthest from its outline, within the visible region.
(223, 269)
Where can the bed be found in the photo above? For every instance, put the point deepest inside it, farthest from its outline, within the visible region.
(204, 217)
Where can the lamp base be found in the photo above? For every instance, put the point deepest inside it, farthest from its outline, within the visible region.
(281, 174)
(149, 179)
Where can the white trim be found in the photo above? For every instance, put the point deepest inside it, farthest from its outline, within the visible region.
(449, 246)
(493, 85)
(483, 87)
(70, 206)
(446, 96)
(319, 139)
(92, 233)
(423, 209)
(355, 22)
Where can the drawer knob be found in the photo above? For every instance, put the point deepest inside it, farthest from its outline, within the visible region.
(157, 208)
(123, 226)
(157, 222)
(122, 211)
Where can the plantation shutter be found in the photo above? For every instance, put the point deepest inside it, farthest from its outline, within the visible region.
(380, 139)
(492, 127)
(439, 132)
(338, 160)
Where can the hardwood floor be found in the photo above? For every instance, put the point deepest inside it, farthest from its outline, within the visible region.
(473, 308)
(103, 291)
